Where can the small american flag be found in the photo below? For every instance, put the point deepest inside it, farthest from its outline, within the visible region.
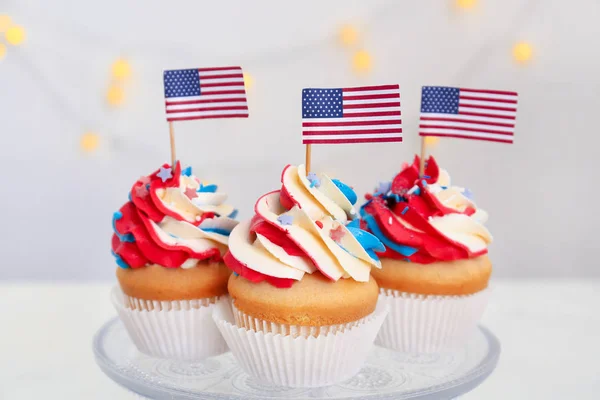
(468, 113)
(205, 93)
(351, 115)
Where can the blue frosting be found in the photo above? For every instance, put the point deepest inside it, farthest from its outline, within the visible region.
(347, 191)
(404, 250)
(217, 230)
(233, 214)
(368, 241)
(353, 224)
(207, 188)
(119, 260)
(123, 238)
(187, 171)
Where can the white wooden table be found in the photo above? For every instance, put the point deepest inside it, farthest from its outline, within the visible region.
(550, 334)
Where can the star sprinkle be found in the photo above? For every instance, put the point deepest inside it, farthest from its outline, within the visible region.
(313, 179)
(165, 173)
(190, 192)
(468, 194)
(142, 190)
(383, 187)
(337, 234)
(285, 219)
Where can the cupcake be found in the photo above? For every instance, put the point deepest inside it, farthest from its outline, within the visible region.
(304, 307)
(169, 241)
(435, 268)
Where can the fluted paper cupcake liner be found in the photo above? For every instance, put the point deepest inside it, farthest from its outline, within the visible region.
(429, 324)
(309, 360)
(182, 330)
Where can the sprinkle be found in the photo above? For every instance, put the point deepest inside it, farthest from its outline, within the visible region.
(141, 191)
(468, 194)
(426, 177)
(352, 211)
(424, 183)
(198, 218)
(412, 190)
(236, 274)
(285, 219)
(337, 234)
(383, 188)
(407, 260)
(319, 224)
(390, 221)
(190, 192)
(405, 210)
(165, 173)
(313, 179)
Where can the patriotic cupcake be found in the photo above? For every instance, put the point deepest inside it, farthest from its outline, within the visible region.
(168, 242)
(435, 268)
(304, 306)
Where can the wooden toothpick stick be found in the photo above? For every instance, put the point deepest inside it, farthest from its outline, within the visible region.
(172, 137)
(307, 160)
(423, 153)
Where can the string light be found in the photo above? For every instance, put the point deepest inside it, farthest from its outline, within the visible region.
(362, 61)
(522, 52)
(15, 35)
(121, 69)
(115, 95)
(2, 50)
(5, 23)
(431, 140)
(466, 4)
(89, 142)
(248, 80)
(348, 35)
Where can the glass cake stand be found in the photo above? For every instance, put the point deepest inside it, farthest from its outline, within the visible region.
(386, 375)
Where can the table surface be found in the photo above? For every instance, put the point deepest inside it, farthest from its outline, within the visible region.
(549, 330)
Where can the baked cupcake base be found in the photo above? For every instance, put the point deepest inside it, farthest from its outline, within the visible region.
(182, 329)
(312, 359)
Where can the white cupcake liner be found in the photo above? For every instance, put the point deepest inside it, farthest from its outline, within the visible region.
(182, 330)
(429, 324)
(308, 360)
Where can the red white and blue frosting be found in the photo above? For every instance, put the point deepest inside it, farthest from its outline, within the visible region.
(300, 229)
(424, 219)
(172, 220)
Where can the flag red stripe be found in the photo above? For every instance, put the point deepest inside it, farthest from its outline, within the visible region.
(225, 92)
(206, 85)
(486, 107)
(373, 96)
(488, 115)
(217, 69)
(373, 114)
(351, 132)
(240, 75)
(339, 141)
(352, 123)
(207, 117)
(488, 91)
(371, 105)
(487, 99)
(467, 137)
(367, 88)
(466, 129)
(467, 121)
(207, 109)
(227, 100)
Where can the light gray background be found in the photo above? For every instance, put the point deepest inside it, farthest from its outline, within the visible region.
(540, 192)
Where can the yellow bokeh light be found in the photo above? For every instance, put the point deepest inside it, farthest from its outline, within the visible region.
(522, 52)
(466, 4)
(431, 140)
(89, 142)
(348, 35)
(248, 80)
(121, 69)
(15, 35)
(5, 23)
(115, 95)
(362, 61)
(2, 50)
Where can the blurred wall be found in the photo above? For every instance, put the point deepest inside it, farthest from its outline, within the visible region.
(58, 201)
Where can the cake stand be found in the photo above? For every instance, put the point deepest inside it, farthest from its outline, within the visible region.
(386, 375)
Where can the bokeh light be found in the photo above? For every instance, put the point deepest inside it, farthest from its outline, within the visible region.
(5, 23)
(466, 4)
(362, 61)
(348, 35)
(115, 95)
(248, 80)
(2, 50)
(522, 52)
(89, 142)
(121, 69)
(431, 140)
(15, 35)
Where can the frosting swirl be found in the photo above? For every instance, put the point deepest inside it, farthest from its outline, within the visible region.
(425, 219)
(300, 229)
(173, 220)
